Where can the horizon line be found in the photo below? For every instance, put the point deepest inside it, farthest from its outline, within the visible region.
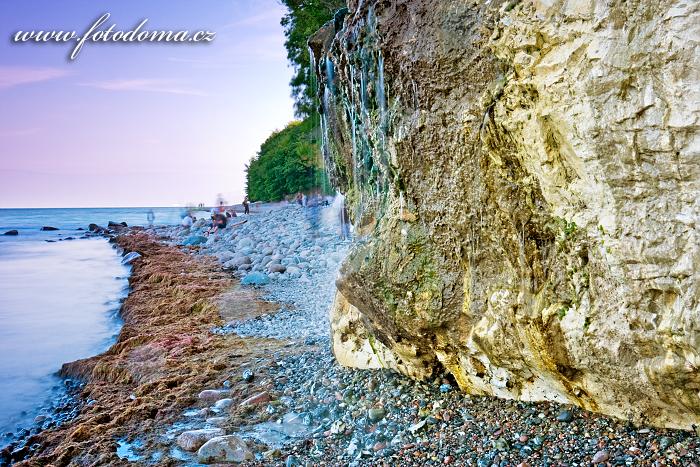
(106, 207)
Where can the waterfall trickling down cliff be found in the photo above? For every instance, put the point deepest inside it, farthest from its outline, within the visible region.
(524, 181)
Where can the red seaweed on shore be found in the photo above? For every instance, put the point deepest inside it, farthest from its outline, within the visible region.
(164, 355)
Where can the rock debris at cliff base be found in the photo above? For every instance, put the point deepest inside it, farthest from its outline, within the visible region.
(305, 409)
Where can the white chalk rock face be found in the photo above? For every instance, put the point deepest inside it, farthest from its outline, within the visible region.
(526, 188)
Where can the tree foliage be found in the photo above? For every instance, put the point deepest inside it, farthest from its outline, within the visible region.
(303, 19)
(288, 162)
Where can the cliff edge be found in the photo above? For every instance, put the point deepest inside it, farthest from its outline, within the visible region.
(524, 180)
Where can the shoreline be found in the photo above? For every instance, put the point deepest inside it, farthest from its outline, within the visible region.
(253, 367)
(45, 398)
(148, 373)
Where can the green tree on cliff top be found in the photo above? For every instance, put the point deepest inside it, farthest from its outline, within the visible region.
(286, 163)
(303, 19)
(290, 160)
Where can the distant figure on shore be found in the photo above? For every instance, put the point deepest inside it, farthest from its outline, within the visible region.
(218, 221)
(150, 217)
(298, 199)
(344, 222)
(246, 206)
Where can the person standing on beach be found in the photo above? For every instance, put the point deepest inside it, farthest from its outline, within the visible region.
(246, 206)
(344, 222)
(150, 217)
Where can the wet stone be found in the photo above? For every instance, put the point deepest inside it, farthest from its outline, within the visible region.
(223, 449)
(193, 440)
(665, 442)
(565, 416)
(248, 375)
(374, 415)
(212, 395)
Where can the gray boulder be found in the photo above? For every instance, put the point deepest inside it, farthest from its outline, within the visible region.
(275, 267)
(193, 440)
(236, 262)
(224, 449)
(255, 278)
(224, 256)
(194, 240)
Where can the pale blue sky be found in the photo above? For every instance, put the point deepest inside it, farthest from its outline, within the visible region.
(138, 124)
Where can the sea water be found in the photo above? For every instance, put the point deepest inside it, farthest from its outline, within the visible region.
(59, 300)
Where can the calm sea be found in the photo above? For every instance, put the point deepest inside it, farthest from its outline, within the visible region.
(59, 300)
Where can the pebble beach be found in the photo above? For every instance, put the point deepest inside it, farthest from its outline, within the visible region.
(305, 409)
(225, 359)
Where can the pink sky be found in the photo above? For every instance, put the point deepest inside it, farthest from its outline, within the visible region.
(138, 124)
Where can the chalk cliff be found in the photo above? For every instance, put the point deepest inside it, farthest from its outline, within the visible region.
(524, 180)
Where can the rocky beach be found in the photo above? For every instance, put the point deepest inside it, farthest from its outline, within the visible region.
(210, 371)
(474, 240)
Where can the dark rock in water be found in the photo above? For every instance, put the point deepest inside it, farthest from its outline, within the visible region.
(127, 259)
(69, 238)
(50, 241)
(19, 453)
(95, 228)
(11, 232)
(48, 228)
(195, 240)
(80, 228)
(5, 456)
(565, 416)
(116, 225)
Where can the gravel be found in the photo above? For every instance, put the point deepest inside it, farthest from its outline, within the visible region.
(378, 417)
